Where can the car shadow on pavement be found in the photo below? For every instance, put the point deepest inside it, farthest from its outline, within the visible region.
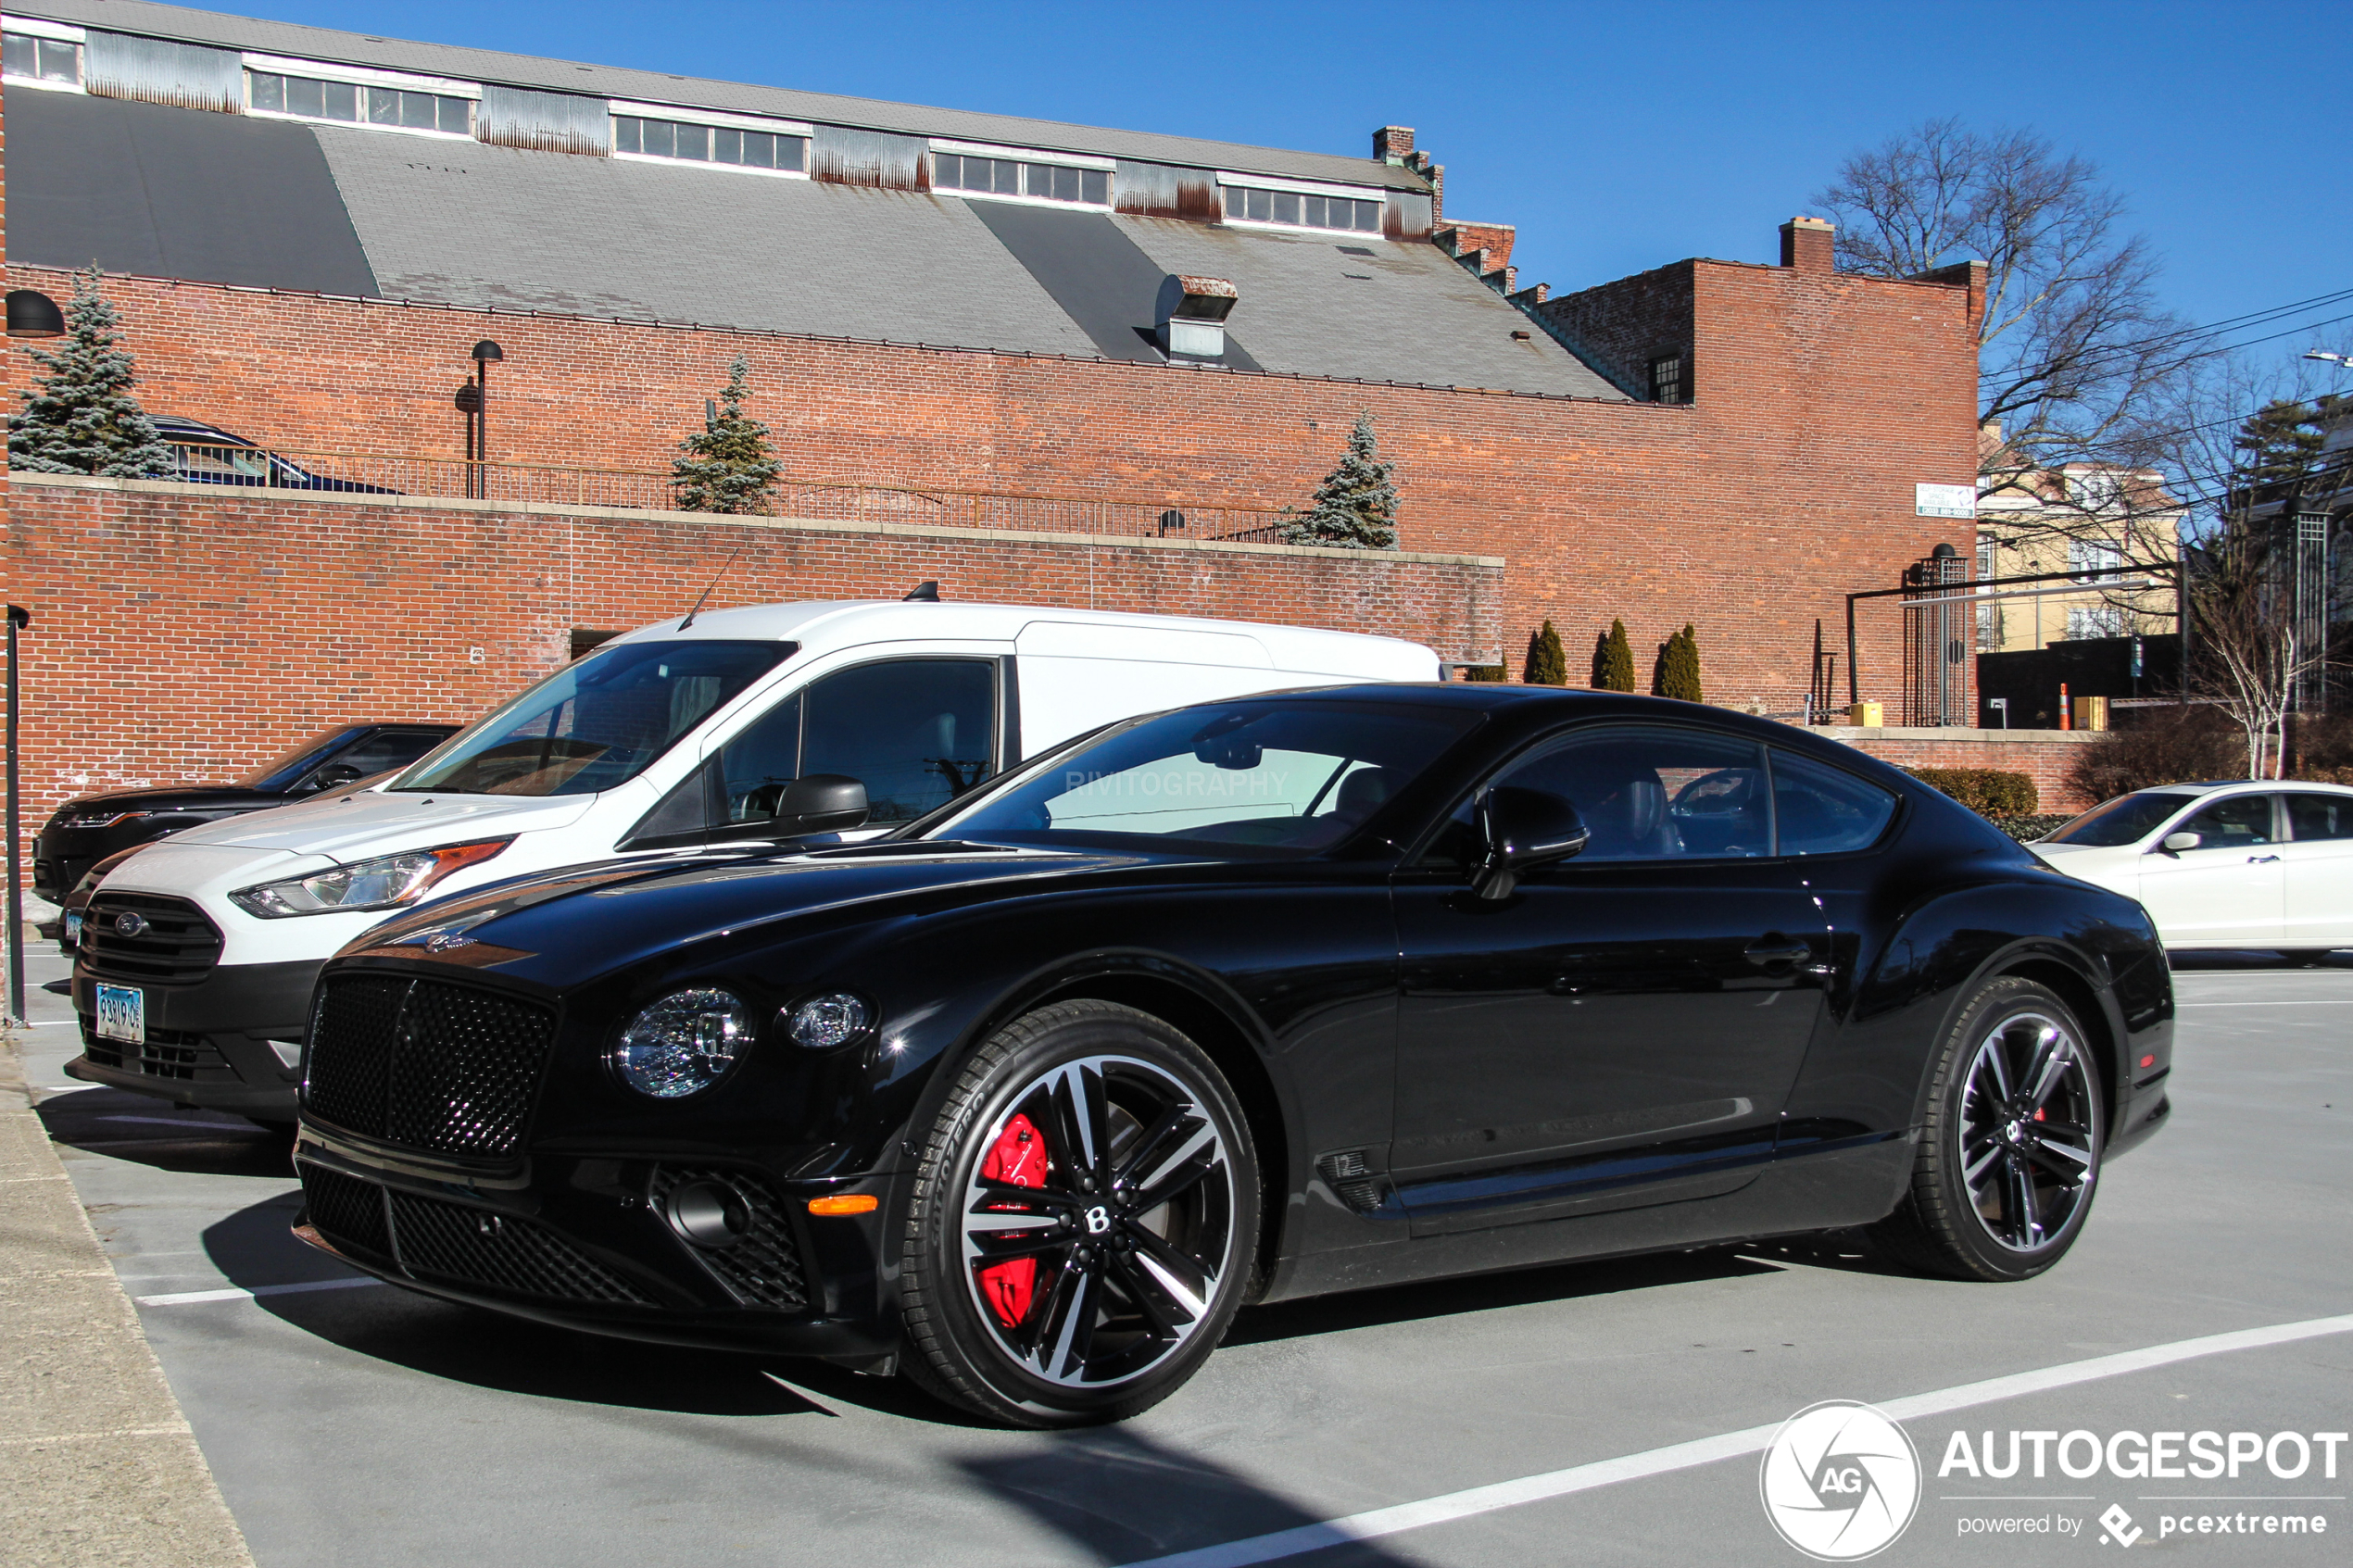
(1116, 1494)
(122, 1125)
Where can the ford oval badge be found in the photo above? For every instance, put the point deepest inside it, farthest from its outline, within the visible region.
(131, 923)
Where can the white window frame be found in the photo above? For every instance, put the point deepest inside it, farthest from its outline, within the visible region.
(717, 120)
(1373, 194)
(55, 32)
(362, 76)
(1030, 155)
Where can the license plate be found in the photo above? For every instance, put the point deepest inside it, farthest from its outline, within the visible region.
(73, 930)
(123, 1014)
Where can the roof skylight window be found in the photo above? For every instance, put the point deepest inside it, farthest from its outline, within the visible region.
(354, 96)
(1012, 174)
(732, 142)
(41, 54)
(1300, 206)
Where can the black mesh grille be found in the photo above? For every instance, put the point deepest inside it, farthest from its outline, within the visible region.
(430, 1065)
(165, 1053)
(346, 1210)
(173, 943)
(500, 1253)
(763, 1267)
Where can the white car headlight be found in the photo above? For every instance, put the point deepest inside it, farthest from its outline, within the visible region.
(384, 882)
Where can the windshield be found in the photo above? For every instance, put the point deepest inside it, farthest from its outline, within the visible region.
(283, 772)
(2128, 819)
(595, 723)
(1288, 778)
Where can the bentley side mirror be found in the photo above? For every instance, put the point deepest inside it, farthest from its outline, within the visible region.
(1524, 828)
(331, 778)
(820, 803)
(2177, 841)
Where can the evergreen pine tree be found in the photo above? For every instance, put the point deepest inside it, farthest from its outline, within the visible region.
(80, 416)
(1679, 667)
(2277, 446)
(1547, 660)
(1356, 505)
(1616, 666)
(728, 466)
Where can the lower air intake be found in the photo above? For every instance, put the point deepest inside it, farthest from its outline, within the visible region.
(762, 1268)
(468, 1246)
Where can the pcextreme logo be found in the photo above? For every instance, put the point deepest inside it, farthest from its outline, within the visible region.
(1840, 1481)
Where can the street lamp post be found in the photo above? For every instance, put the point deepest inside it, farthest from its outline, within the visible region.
(474, 397)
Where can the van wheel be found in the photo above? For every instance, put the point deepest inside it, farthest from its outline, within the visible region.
(1082, 1224)
(2009, 1155)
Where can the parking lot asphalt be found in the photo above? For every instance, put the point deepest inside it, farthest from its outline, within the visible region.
(352, 1424)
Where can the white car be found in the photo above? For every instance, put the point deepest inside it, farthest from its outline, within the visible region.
(2225, 865)
(198, 955)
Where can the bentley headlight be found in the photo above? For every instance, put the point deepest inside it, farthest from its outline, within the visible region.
(822, 1022)
(682, 1044)
(384, 882)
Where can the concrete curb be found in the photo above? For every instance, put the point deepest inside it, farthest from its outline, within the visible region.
(97, 1466)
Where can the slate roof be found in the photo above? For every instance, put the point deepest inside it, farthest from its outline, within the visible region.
(154, 190)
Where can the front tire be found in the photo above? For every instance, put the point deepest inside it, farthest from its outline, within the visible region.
(1083, 1221)
(2009, 1153)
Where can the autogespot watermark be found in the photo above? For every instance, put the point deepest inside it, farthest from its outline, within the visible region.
(1841, 1481)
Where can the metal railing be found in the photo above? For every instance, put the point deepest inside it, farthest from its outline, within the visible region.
(527, 484)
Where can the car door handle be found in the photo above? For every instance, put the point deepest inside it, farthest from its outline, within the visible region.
(1767, 952)
(2261, 860)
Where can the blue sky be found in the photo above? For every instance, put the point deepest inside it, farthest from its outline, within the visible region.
(1615, 137)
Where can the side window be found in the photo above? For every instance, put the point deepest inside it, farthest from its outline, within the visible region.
(755, 766)
(1646, 792)
(389, 749)
(1819, 810)
(915, 732)
(2236, 823)
(2320, 816)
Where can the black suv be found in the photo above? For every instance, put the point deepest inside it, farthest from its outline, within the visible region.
(88, 830)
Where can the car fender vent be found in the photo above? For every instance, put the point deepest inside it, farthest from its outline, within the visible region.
(1350, 1175)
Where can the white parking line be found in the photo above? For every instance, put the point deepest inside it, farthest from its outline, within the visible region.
(2292, 1002)
(189, 1297)
(1708, 1450)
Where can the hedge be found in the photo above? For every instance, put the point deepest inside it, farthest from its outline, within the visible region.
(1991, 791)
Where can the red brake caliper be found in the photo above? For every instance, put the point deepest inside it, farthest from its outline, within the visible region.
(1017, 1157)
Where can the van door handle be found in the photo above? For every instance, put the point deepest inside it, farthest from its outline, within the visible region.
(2261, 860)
(1766, 952)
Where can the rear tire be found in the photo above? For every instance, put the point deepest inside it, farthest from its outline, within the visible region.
(1118, 1261)
(2009, 1152)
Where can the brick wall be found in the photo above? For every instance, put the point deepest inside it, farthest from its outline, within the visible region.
(186, 633)
(2042, 755)
(1821, 401)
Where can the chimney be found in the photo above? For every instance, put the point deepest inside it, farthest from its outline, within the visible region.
(1191, 316)
(1393, 142)
(1805, 244)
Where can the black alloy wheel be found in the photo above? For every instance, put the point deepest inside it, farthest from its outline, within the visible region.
(1083, 1223)
(2009, 1157)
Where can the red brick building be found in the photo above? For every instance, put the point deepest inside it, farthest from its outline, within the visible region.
(944, 301)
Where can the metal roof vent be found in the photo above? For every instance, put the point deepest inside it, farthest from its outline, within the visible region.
(1191, 316)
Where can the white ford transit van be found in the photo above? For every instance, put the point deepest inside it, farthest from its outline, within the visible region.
(198, 954)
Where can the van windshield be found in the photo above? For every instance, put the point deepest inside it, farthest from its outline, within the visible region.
(597, 723)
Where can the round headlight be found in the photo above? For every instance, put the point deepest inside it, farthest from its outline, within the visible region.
(684, 1043)
(834, 1019)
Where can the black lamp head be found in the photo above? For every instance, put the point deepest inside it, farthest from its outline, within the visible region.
(486, 350)
(34, 314)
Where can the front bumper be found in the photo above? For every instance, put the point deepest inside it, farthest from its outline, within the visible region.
(207, 1044)
(584, 1242)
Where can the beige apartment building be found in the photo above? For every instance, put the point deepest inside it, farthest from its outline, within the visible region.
(2085, 518)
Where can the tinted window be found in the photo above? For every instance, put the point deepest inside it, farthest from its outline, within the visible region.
(1821, 810)
(282, 772)
(387, 749)
(2236, 823)
(1291, 778)
(2321, 816)
(598, 723)
(2128, 819)
(755, 766)
(1646, 792)
(917, 732)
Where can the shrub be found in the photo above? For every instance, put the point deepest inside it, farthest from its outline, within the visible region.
(2162, 746)
(2026, 828)
(1486, 672)
(1547, 660)
(1991, 792)
(1614, 660)
(1678, 672)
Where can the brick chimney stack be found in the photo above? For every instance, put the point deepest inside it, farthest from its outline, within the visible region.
(1805, 244)
(1393, 143)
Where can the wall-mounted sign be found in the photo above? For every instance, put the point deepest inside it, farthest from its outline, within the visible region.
(1944, 500)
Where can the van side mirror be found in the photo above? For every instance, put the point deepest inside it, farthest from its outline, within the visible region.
(1523, 828)
(2177, 841)
(820, 803)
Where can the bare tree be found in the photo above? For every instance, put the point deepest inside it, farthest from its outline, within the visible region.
(2250, 656)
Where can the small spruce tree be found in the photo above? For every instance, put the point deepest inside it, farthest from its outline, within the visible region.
(1547, 660)
(1679, 667)
(80, 416)
(727, 465)
(1355, 506)
(1613, 671)
(1486, 672)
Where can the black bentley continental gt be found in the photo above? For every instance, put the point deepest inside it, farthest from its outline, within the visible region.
(1247, 1001)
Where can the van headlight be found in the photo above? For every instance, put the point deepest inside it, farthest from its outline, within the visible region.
(684, 1043)
(384, 882)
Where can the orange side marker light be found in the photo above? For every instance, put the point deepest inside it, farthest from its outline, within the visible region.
(844, 1203)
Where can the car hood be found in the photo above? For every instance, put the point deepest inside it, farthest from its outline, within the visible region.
(177, 797)
(563, 926)
(364, 823)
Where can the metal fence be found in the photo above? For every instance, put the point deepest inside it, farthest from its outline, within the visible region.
(528, 484)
